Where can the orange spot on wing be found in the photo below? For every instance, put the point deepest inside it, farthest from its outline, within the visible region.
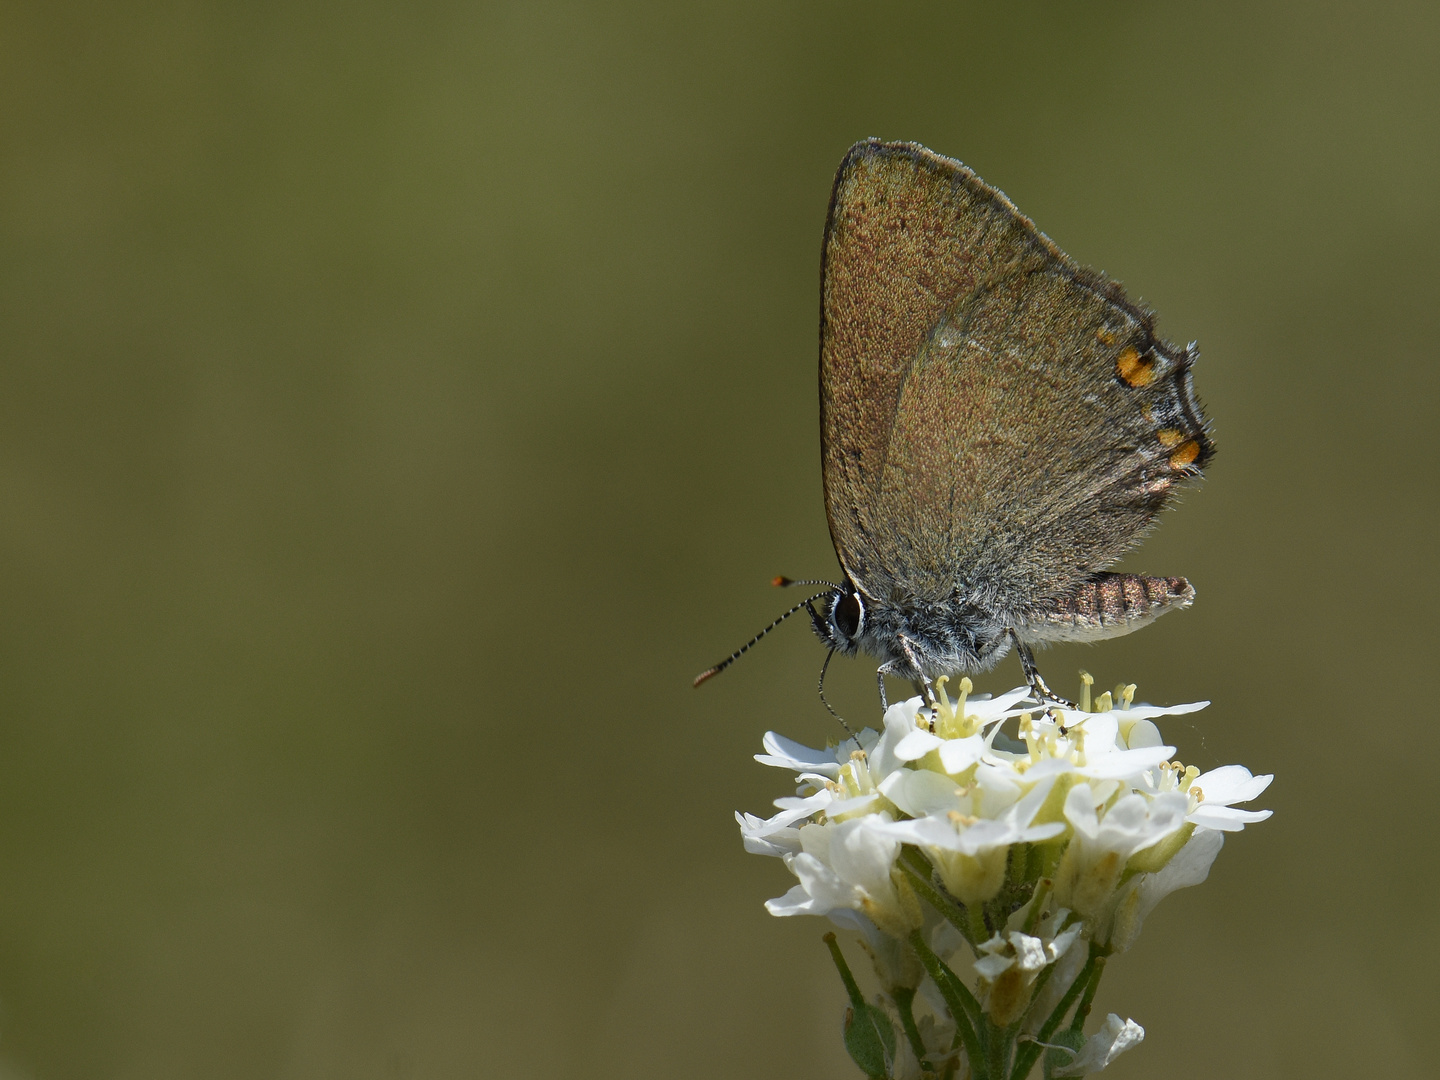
(1185, 455)
(1135, 369)
(1105, 336)
(1169, 437)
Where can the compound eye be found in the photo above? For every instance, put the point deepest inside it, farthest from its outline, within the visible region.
(848, 614)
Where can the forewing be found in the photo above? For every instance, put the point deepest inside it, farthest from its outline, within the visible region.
(996, 422)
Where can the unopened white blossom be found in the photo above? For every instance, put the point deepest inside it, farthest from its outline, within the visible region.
(850, 865)
(1113, 1039)
(1008, 965)
(1108, 828)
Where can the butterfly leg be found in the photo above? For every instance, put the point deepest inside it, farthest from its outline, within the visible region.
(880, 674)
(921, 683)
(890, 667)
(1038, 689)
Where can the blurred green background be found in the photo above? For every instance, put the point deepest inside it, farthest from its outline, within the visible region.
(400, 403)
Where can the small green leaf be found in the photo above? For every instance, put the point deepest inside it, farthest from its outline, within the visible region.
(1058, 1059)
(870, 1038)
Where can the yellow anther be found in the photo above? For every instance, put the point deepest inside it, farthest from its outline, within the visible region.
(1104, 703)
(952, 713)
(1086, 681)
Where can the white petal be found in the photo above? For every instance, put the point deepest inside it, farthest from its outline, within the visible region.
(1000, 788)
(993, 944)
(795, 809)
(795, 902)
(1231, 784)
(864, 854)
(957, 755)
(1113, 1039)
(761, 838)
(991, 967)
(998, 794)
(1143, 733)
(984, 836)
(1060, 944)
(919, 792)
(1067, 968)
(916, 745)
(788, 754)
(899, 722)
(990, 709)
(1149, 712)
(1135, 823)
(1101, 732)
(1124, 764)
(1226, 818)
(782, 843)
(1029, 951)
(814, 780)
(851, 806)
(1080, 811)
(928, 831)
(825, 888)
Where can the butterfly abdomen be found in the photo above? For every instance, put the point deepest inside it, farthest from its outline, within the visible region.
(1107, 605)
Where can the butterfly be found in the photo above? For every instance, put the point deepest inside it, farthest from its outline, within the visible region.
(998, 425)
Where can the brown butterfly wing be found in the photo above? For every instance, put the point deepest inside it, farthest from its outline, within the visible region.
(996, 423)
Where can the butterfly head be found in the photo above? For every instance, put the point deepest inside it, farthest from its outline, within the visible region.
(840, 620)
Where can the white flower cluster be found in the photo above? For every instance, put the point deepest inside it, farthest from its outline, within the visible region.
(1043, 854)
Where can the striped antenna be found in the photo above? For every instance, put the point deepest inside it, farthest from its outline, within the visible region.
(710, 673)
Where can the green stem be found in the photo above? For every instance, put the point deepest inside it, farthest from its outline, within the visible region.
(1082, 1011)
(1034, 861)
(1016, 860)
(1025, 1058)
(979, 931)
(852, 988)
(963, 1006)
(999, 1050)
(904, 996)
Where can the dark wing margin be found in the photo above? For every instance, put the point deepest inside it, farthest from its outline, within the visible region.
(997, 423)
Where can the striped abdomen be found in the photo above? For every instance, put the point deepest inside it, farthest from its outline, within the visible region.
(1107, 605)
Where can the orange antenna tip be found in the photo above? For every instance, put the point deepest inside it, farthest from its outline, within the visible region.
(707, 674)
(781, 581)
